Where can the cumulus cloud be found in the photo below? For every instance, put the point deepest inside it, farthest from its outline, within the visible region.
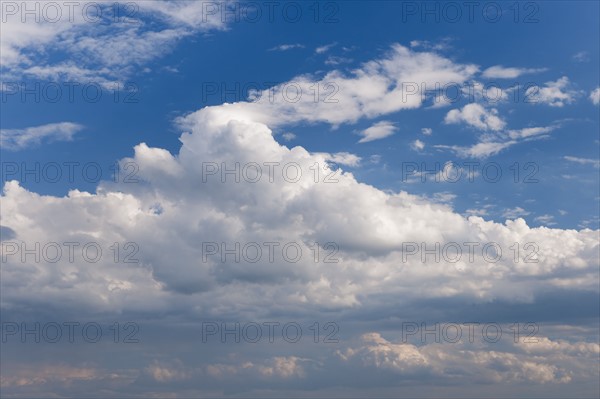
(554, 94)
(477, 116)
(176, 207)
(19, 139)
(378, 131)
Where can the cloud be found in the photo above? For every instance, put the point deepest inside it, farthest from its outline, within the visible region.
(546, 219)
(288, 136)
(426, 131)
(417, 145)
(397, 81)
(20, 139)
(582, 56)
(493, 143)
(595, 96)
(500, 72)
(477, 116)
(370, 283)
(515, 212)
(325, 48)
(556, 363)
(378, 131)
(285, 47)
(99, 47)
(583, 161)
(554, 94)
(341, 158)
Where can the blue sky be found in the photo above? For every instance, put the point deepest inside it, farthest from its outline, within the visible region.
(172, 79)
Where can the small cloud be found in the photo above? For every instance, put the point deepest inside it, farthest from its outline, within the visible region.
(417, 145)
(325, 48)
(286, 47)
(476, 212)
(335, 60)
(515, 213)
(500, 72)
(476, 116)
(342, 158)
(595, 96)
(582, 56)
(18, 139)
(426, 131)
(375, 158)
(547, 220)
(443, 44)
(288, 136)
(583, 161)
(378, 131)
(554, 94)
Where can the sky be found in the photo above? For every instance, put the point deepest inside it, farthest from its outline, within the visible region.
(300, 199)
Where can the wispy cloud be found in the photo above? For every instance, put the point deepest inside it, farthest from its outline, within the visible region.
(19, 139)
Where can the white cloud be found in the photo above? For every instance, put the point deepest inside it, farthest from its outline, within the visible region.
(546, 361)
(583, 161)
(554, 94)
(341, 158)
(288, 136)
(546, 219)
(492, 143)
(19, 139)
(582, 56)
(477, 116)
(417, 145)
(79, 47)
(595, 96)
(368, 225)
(426, 131)
(501, 72)
(325, 48)
(378, 131)
(515, 212)
(285, 47)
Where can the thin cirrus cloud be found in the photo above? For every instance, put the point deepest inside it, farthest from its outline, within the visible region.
(20, 139)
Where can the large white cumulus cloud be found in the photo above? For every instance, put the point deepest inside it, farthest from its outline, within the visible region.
(172, 211)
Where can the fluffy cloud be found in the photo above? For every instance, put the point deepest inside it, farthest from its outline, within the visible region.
(379, 130)
(176, 207)
(477, 116)
(554, 94)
